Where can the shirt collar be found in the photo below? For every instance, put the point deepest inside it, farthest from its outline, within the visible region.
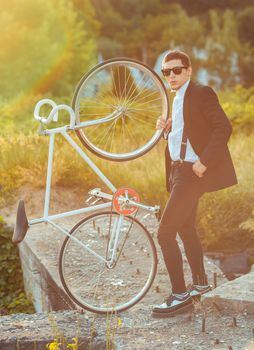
(181, 91)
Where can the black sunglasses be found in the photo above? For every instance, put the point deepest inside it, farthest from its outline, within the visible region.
(176, 70)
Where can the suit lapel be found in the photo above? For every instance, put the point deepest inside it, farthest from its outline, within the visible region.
(186, 102)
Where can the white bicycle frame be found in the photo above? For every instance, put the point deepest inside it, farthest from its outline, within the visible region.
(97, 193)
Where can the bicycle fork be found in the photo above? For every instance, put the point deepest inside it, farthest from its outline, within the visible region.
(112, 242)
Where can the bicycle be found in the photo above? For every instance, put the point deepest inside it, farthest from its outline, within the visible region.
(106, 252)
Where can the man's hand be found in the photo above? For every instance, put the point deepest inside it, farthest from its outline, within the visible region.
(199, 168)
(163, 124)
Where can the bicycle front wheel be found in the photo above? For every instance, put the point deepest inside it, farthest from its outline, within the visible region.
(89, 281)
(127, 86)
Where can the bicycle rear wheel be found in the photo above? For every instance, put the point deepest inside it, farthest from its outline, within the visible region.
(126, 85)
(96, 287)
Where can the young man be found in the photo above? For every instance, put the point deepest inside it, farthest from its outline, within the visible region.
(197, 161)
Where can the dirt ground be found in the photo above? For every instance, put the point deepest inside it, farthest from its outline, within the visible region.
(195, 330)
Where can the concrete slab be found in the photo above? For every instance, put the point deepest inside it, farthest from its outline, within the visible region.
(29, 332)
(234, 296)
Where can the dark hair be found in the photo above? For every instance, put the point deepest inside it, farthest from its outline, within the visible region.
(172, 55)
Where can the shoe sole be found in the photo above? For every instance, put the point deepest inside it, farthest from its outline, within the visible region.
(197, 297)
(182, 310)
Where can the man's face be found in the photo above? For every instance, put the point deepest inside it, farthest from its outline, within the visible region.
(176, 80)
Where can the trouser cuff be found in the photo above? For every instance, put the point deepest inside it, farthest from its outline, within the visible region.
(200, 280)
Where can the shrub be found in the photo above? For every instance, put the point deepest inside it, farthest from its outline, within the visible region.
(12, 296)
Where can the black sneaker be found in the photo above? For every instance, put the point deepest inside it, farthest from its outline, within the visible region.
(175, 304)
(197, 290)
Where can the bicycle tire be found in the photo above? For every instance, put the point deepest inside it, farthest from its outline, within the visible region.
(116, 289)
(114, 138)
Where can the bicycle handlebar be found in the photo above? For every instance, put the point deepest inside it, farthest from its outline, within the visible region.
(53, 115)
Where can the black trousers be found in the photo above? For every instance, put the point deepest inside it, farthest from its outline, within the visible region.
(179, 216)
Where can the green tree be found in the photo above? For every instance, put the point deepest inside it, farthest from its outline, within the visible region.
(144, 29)
(223, 46)
(211, 32)
(44, 47)
(246, 34)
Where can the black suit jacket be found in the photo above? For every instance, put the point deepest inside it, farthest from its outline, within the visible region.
(208, 130)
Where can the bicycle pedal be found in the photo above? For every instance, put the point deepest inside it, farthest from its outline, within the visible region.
(146, 216)
(95, 201)
(88, 199)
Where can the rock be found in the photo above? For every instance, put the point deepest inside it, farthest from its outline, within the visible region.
(234, 263)
(233, 297)
(41, 329)
(230, 264)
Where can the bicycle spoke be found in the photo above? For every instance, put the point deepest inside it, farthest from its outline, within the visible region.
(106, 135)
(145, 110)
(142, 121)
(110, 148)
(109, 140)
(99, 100)
(143, 96)
(132, 137)
(135, 89)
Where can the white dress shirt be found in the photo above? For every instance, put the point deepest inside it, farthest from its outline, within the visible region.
(176, 134)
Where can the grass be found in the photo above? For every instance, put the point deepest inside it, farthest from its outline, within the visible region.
(222, 212)
(23, 160)
(12, 296)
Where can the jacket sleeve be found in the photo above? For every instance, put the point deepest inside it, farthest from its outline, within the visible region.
(221, 128)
